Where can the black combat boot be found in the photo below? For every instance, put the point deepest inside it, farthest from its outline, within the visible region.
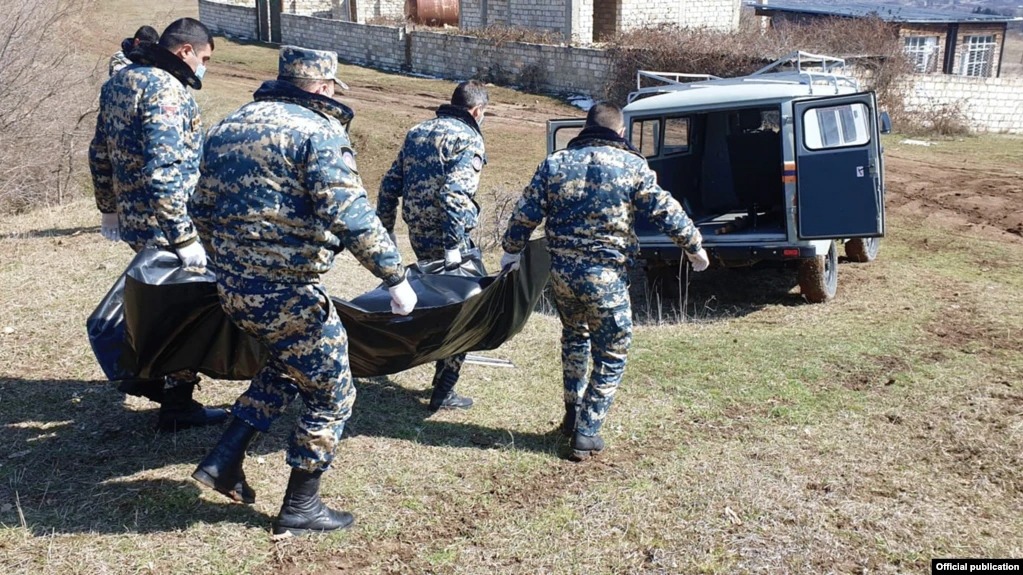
(304, 512)
(568, 423)
(179, 411)
(444, 396)
(222, 471)
(585, 446)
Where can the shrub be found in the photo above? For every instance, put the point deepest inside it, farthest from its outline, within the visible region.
(870, 43)
(45, 103)
(941, 120)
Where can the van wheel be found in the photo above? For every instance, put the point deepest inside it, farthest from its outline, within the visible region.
(862, 250)
(818, 276)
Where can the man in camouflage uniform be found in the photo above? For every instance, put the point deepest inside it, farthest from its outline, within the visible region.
(144, 160)
(436, 176)
(589, 194)
(280, 195)
(120, 58)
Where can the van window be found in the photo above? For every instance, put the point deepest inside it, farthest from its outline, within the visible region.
(676, 136)
(564, 135)
(836, 126)
(646, 136)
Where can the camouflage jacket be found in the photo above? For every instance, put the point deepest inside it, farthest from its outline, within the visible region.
(144, 156)
(437, 173)
(118, 61)
(589, 194)
(280, 194)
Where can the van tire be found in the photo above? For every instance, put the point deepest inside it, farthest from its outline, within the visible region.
(818, 276)
(862, 250)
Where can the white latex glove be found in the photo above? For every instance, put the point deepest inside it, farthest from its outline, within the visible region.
(110, 227)
(403, 298)
(394, 238)
(452, 259)
(510, 260)
(699, 260)
(193, 255)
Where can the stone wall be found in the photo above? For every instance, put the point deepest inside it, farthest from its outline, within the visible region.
(470, 14)
(714, 14)
(582, 21)
(370, 10)
(538, 14)
(374, 46)
(227, 18)
(989, 104)
(561, 69)
(308, 7)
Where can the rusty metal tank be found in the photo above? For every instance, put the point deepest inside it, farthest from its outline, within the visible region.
(432, 12)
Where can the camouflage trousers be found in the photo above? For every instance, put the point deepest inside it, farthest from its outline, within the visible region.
(596, 321)
(430, 248)
(308, 357)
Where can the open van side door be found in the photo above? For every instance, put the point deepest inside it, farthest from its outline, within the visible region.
(839, 170)
(561, 132)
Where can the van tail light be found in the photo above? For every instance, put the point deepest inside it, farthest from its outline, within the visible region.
(790, 253)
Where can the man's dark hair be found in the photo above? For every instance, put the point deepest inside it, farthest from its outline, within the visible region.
(605, 115)
(470, 94)
(147, 34)
(186, 31)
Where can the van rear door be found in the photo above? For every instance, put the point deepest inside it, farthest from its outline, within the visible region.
(561, 132)
(839, 173)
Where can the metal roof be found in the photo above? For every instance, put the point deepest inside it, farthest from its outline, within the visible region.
(886, 12)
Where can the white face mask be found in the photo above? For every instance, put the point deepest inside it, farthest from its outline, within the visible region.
(200, 71)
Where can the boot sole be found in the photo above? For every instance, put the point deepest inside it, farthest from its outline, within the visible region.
(285, 532)
(584, 454)
(211, 482)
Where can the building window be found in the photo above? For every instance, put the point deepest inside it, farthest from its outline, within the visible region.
(923, 53)
(977, 56)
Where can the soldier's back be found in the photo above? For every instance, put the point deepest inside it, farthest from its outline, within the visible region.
(589, 213)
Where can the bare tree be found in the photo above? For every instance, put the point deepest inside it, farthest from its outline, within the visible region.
(46, 94)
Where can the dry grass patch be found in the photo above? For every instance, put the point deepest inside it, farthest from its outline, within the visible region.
(761, 435)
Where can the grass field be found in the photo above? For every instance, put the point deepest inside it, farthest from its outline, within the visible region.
(753, 433)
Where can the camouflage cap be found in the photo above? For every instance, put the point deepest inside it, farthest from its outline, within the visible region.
(306, 64)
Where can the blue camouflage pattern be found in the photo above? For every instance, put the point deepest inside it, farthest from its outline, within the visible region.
(435, 177)
(144, 157)
(117, 62)
(279, 196)
(297, 63)
(308, 350)
(280, 193)
(587, 196)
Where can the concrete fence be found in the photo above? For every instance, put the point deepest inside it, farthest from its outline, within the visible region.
(989, 104)
(540, 67)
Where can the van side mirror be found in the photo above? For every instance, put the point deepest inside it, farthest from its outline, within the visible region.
(886, 123)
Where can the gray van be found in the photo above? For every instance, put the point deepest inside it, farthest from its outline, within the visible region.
(781, 165)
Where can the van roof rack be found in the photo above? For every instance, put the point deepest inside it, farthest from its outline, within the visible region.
(794, 68)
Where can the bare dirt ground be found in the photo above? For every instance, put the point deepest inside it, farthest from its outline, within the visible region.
(986, 197)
